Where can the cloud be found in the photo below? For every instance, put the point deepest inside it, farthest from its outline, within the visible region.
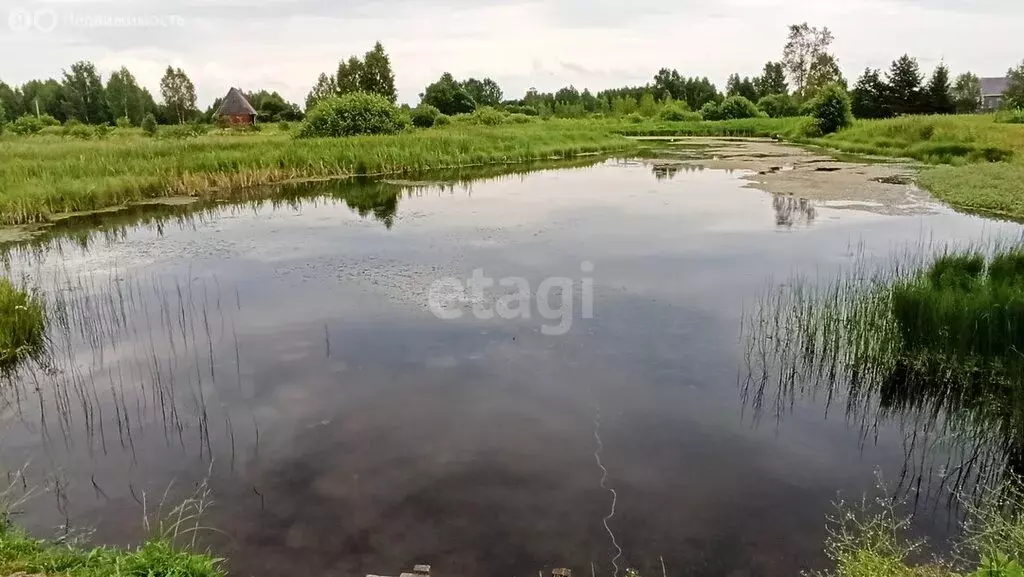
(285, 44)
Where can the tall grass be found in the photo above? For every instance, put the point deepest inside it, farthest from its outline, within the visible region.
(22, 324)
(44, 175)
(934, 346)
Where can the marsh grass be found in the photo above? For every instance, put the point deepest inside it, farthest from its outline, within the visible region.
(928, 343)
(22, 324)
(44, 175)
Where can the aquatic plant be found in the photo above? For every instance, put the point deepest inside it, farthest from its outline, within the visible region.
(22, 324)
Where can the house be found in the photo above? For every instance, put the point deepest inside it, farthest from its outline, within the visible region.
(236, 108)
(992, 90)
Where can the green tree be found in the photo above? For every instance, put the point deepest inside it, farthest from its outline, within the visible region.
(43, 97)
(376, 75)
(348, 78)
(484, 92)
(1013, 96)
(831, 109)
(325, 87)
(84, 98)
(567, 95)
(938, 92)
(448, 96)
(179, 94)
(10, 100)
(868, 98)
(803, 48)
(966, 93)
(124, 97)
(149, 124)
(271, 106)
(824, 71)
(741, 87)
(905, 92)
(772, 80)
(588, 101)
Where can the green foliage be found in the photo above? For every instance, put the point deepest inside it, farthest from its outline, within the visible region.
(326, 86)
(22, 324)
(487, 116)
(125, 98)
(183, 131)
(1013, 96)
(678, 112)
(906, 95)
(270, 107)
(124, 123)
(351, 114)
(634, 117)
(966, 93)
(442, 120)
(869, 98)
(284, 126)
(519, 119)
(484, 92)
(831, 109)
(938, 93)
(425, 115)
(1010, 116)
(805, 47)
(734, 107)
(696, 92)
(778, 106)
(179, 94)
(448, 96)
(27, 125)
(149, 124)
(521, 109)
(376, 76)
(84, 97)
(75, 129)
(772, 80)
(741, 87)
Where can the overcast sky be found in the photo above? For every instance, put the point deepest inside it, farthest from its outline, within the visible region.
(284, 44)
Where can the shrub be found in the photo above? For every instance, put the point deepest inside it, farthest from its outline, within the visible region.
(26, 125)
(487, 116)
(778, 106)
(831, 109)
(678, 112)
(1014, 116)
(47, 120)
(736, 107)
(102, 130)
(75, 129)
(351, 114)
(124, 122)
(149, 124)
(518, 118)
(22, 324)
(634, 117)
(424, 115)
(442, 120)
(284, 126)
(521, 109)
(190, 130)
(711, 111)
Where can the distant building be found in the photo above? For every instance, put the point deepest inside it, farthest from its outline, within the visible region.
(236, 108)
(992, 90)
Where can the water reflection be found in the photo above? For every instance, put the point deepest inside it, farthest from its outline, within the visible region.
(790, 211)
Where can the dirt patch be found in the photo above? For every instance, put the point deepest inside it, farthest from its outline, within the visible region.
(783, 169)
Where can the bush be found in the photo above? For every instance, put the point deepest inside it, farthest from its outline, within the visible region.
(284, 126)
(149, 124)
(678, 112)
(47, 120)
(518, 118)
(424, 115)
(521, 109)
(190, 130)
(351, 114)
(634, 117)
(736, 107)
(1015, 116)
(26, 125)
(124, 122)
(75, 129)
(831, 109)
(442, 120)
(711, 111)
(487, 116)
(102, 130)
(778, 106)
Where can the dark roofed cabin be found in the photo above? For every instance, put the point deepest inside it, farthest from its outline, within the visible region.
(236, 108)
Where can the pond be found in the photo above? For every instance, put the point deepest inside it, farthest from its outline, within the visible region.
(320, 358)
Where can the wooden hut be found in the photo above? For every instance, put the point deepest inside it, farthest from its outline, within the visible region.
(236, 109)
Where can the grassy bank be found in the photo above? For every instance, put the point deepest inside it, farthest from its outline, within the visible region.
(46, 174)
(22, 324)
(20, 554)
(983, 160)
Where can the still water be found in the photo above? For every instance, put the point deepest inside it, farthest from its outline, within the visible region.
(290, 352)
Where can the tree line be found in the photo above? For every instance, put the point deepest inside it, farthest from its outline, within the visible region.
(82, 95)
